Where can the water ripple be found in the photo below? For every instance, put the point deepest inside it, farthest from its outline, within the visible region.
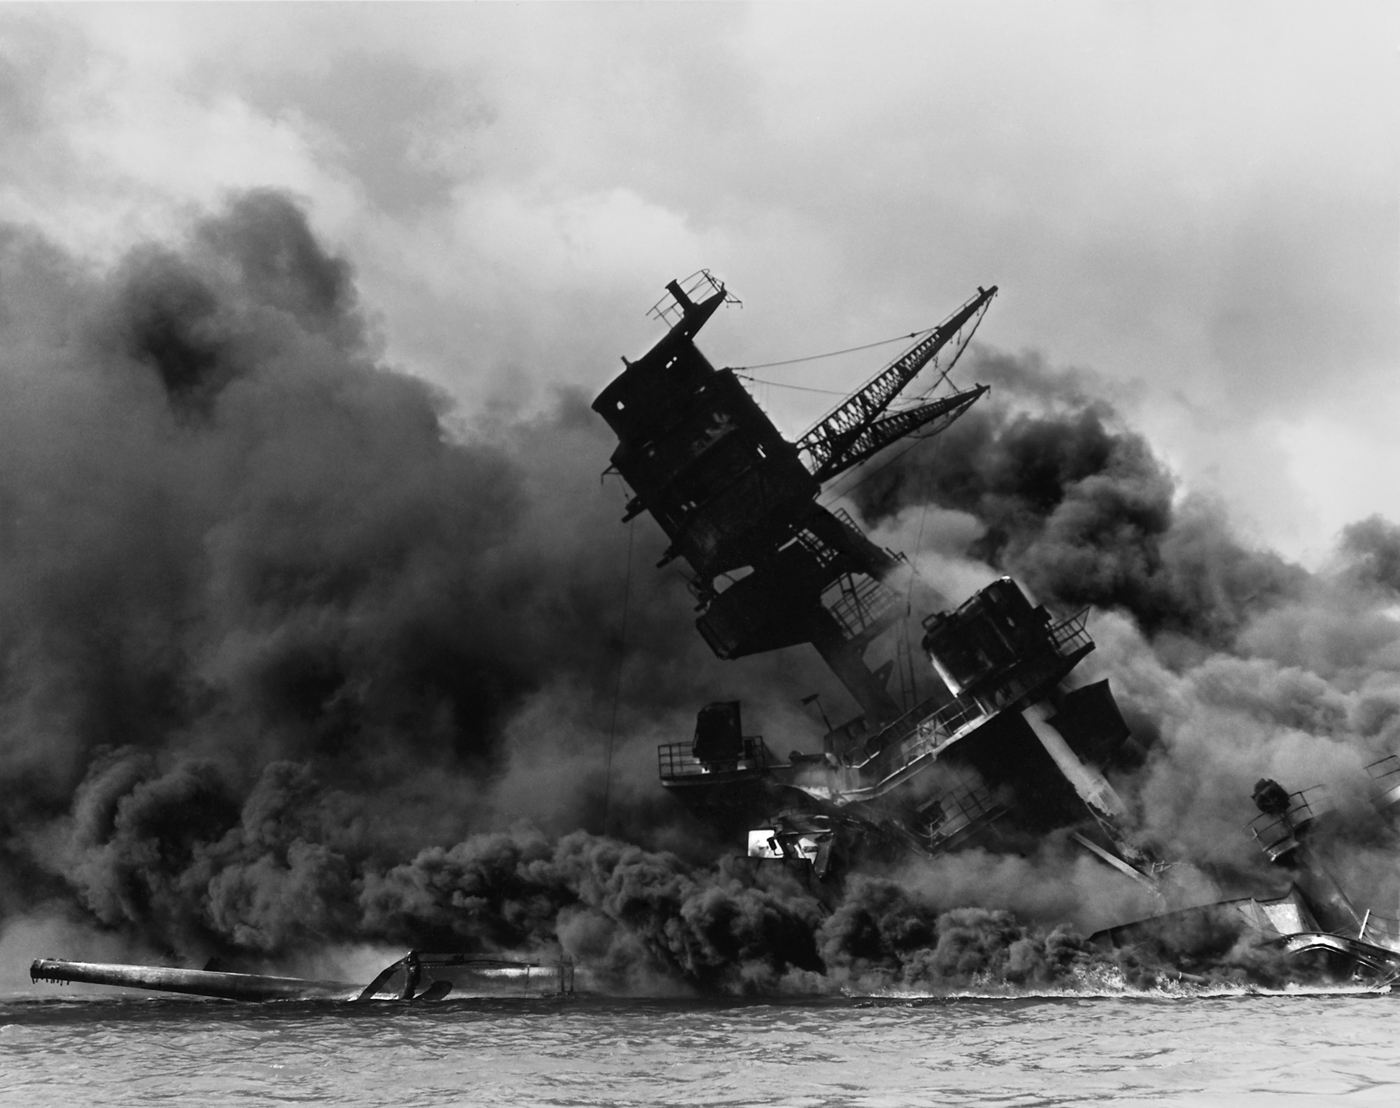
(1239, 1050)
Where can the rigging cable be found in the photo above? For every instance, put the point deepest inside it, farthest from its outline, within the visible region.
(963, 344)
(617, 685)
(794, 388)
(834, 494)
(923, 519)
(834, 353)
(933, 462)
(914, 567)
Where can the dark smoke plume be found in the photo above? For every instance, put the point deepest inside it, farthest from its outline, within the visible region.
(229, 531)
(1079, 507)
(268, 628)
(229, 536)
(292, 655)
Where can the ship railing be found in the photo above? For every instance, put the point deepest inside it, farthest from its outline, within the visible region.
(843, 517)
(1071, 635)
(906, 724)
(1278, 834)
(862, 604)
(965, 713)
(949, 720)
(823, 552)
(964, 808)
(1386, 775)
(676, 760)
(699, 286)
(929, 736)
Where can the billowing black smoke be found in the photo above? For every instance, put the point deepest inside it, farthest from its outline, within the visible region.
(268, 630)
(285, 662)
(1079, 507)
(228, 530)
(231, 537)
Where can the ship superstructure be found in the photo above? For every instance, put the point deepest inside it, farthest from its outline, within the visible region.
(988, 741)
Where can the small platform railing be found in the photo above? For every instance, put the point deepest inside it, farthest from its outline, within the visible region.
(1386, 775)
(965, 808)
(675, 760)
(700, 285)
(1071, 635)
(862, 604)
(1277, 835)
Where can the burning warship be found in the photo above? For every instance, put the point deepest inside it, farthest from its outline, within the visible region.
(980, 736)
(985, 739)
(972, 728)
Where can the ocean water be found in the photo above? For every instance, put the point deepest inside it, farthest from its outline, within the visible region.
(1239, 1049)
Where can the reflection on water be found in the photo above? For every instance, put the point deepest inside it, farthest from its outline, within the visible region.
(1235, 1050)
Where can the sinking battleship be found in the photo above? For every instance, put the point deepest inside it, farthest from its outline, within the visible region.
(982, 736)
(986, 739)
(971, 730)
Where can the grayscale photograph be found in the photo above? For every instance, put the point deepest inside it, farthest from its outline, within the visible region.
(801, 555)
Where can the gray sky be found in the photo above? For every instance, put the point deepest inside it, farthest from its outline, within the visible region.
(1195, 201)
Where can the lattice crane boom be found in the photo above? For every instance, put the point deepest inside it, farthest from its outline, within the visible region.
(891, 428)
(829, 446)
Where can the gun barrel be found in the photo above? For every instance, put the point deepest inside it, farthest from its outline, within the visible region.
(166, 979)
